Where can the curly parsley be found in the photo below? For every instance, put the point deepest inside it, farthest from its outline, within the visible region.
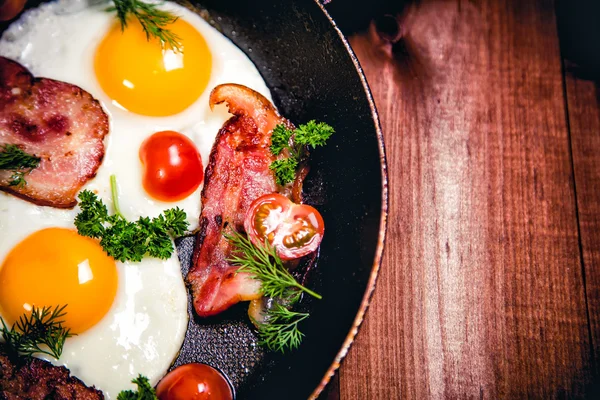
(285, 170)
(144, 392)
(312, 134)
(124, 240)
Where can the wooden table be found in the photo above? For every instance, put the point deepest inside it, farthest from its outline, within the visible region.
(490, 284)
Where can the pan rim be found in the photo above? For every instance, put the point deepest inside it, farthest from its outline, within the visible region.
(364, 305)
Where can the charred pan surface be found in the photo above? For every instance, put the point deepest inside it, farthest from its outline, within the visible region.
(238, 173)
(58, 122)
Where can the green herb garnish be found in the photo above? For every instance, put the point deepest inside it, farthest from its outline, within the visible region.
(311, 134)
(124, 240)
(263, 263)
(152, 19)
(41, 332)
(21, 163)
(280, 330)
(144, 392)
(285, 170)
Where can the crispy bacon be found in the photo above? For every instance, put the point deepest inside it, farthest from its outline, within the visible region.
(237, 173)
(56, 121)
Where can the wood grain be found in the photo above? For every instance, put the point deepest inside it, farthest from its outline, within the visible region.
(583, 98)
(481, 293)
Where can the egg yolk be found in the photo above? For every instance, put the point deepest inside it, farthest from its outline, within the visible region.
(144, 77)
(56, 267)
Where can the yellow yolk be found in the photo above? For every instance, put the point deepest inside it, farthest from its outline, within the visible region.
(145, 78)
(56, 267)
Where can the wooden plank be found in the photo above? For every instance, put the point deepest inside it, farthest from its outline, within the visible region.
(481, 292)
(583, 98)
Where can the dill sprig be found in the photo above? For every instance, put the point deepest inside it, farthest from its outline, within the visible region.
(280, 331)
(152, 19)
(295, 141)
(263, 264)
(124, 240)
(40, 332)
(21, 163)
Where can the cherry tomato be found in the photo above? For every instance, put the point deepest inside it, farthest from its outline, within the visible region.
(194, 382)
(295, 230)
(10, 8)
(172, 167)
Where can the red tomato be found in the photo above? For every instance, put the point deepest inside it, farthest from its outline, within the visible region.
(295, 230)
(194, 382)
(172, 166)
(10, 8)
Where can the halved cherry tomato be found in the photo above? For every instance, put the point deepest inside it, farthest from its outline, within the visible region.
(295, 230)
(194, 381)
(172, 167)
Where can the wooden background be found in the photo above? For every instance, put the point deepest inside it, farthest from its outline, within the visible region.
(490, 284)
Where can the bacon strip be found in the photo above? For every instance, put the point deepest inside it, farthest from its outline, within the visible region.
(237, 173)
(56, 121)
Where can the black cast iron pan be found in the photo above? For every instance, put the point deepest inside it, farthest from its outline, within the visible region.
(312, 74)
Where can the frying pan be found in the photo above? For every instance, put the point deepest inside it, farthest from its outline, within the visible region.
(312, 74)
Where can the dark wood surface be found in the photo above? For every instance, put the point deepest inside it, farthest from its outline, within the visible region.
(490, 284)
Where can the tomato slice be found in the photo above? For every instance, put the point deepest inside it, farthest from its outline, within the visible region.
(295, 230)
(172, 167)
(194, 381)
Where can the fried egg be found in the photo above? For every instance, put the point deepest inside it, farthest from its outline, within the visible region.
(130, 318)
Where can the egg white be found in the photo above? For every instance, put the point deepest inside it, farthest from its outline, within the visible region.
(144, 330)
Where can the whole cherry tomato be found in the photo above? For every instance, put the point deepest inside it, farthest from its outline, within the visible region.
(172, 167)
(295, 230)
(194, 382)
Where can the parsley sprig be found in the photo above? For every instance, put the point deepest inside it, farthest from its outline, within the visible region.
(280, 329)
(312, 134)
(144, 392)
(40, 332)
(124, 240)
(13, 158)
(152, 19)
